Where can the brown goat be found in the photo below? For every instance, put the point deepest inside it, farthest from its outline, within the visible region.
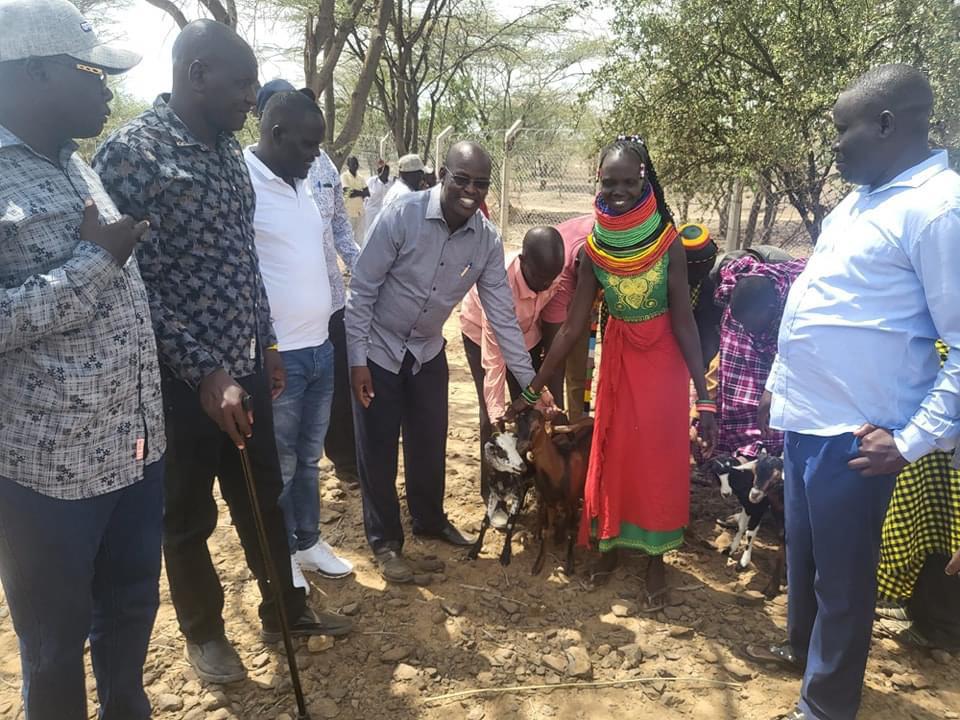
(559, 453)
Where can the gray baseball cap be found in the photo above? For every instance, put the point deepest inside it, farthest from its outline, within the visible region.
(41, 28)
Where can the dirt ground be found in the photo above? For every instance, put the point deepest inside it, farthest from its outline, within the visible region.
(481, 626)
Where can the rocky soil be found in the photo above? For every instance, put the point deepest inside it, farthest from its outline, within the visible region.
(477, 625)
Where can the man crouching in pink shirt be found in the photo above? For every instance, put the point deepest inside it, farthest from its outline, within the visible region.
(533, 276)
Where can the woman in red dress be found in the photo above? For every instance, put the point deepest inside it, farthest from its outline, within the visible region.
(638, 483)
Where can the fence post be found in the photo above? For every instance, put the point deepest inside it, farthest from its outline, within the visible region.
(733, 215)
(383, 145)
(505, 178)
(441, 138)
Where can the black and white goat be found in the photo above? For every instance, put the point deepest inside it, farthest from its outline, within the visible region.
(758, 485)
(510, 480)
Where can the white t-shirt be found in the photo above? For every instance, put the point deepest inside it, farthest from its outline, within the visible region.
(289, 240)
(398, 190)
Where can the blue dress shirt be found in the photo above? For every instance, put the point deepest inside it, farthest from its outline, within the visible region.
(856, 343)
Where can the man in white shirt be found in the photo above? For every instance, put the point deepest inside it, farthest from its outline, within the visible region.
(857, 384)
(378, 185)
(290, 246)
(411, 178)
(354, 192)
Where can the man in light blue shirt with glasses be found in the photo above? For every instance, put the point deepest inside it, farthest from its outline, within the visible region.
(857, 383)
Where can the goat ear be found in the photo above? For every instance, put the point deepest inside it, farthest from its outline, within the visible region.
(748, 466)
(529, 455)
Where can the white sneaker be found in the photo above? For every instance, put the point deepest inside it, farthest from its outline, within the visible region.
(299, 580)
(321, 559)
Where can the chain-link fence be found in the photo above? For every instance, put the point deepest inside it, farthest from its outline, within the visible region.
(550, 177)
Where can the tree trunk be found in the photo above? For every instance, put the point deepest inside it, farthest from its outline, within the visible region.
(758, 198)
(353, 122)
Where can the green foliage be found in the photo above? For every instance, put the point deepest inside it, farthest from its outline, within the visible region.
(745, 89)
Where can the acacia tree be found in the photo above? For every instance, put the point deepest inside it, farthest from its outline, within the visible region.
(744, 90)
(326, 25)
(432, 45)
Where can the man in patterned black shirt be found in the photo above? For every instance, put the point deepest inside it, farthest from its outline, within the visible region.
(179, 166)
(81, 423)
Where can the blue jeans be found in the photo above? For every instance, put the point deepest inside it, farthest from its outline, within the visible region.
(834, 517)
(74, 569)
(301, 416)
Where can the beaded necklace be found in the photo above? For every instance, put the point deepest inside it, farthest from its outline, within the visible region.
(632, 242)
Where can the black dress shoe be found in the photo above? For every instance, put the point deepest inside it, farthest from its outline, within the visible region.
(449, 534)
(309, 623)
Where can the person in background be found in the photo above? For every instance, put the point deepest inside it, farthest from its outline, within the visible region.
(378, 185)
(532, 276)
(429, 177)
(81, 414)
(424, 252)
(753, 294)
(411, 178)
(355, 190)
(857, 384)
(921, 529)
(339, 239)
(637, 488)
(179, 166)
(574, 371)
(289, 239)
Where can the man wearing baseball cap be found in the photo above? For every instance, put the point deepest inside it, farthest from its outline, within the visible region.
(81, 422)
(411, 178)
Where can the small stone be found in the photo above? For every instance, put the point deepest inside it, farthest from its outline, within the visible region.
(737, 669)
(951, 715)
(485, 677)
(579, 664)
(901, 680)
(320, 643)
(672, 613)
(221, 714)
(404, 672)
(919, 682)
(751, 598)
(681, 632)
(623, 608)
(509, 607)
(395, 654)
(708, 655)
(325, 708)
(438, 617)
(941, 656)
(168, 702)
(451, 608)
(604, 650)
(214, 700)
(672, 655)
(476, 713)
(557, 663)
(284, 716)
(350, 609)
(260, 660)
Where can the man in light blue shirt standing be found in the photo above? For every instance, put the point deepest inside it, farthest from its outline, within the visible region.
(857, 384)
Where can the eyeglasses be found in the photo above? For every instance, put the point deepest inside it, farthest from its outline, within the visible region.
(464, 181)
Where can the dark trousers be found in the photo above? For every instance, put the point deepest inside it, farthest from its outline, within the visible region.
(73, 569)
(340, 445)
(833, 521)
(474, 360)
(417, 405)
(198, 452)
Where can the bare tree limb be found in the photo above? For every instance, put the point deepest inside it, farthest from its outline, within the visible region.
(172, 10)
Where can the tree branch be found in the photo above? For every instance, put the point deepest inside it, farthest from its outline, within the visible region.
(172, 10)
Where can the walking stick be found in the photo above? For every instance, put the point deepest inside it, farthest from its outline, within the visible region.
(272, 579)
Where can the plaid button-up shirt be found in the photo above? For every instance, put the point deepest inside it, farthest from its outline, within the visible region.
(80, 407)
(199, 262)
(746, 359)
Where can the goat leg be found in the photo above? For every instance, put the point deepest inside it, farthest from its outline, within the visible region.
(542, 553)
(478, 545)
(779, 567)
(507, 553)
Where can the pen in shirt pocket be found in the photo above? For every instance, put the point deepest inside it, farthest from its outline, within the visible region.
(466, 269)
